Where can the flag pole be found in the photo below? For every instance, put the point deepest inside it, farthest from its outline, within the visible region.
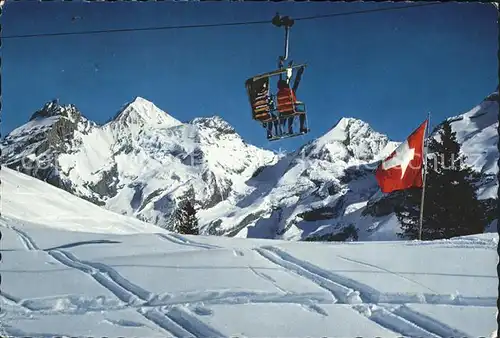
(424, 171)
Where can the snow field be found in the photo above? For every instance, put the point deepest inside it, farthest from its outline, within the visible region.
(184, 286)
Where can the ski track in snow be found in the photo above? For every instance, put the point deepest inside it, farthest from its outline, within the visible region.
(14, 302)
(403, 326)
(431, 325)
(177, 239)
(190, 323)
(107, 277)
(403, 320)
(161, 320)
(175, 320)
(386, 270)
(268, 278)
(28, 243)
(171, 316)
(346, 289)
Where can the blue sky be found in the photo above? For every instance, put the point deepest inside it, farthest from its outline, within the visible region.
(386, 68)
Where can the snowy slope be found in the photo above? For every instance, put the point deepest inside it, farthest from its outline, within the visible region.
(140, 163)
(476, 131)
(70, 279)
(308, 188)
(28, 200)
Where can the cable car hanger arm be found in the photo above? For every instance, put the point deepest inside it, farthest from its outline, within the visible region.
(287, 22)
(276, 72)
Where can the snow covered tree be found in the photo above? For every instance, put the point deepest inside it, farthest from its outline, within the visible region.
(185, 220)
(451, 206)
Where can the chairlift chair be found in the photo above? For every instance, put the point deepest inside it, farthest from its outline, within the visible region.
(264, 103)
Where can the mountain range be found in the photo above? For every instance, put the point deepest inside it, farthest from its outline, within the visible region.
(143, 162)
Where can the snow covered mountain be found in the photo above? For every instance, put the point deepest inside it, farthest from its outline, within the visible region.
(144, 161)
(309, 189)
(139, 163)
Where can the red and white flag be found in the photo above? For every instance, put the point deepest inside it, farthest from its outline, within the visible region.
(403, 168)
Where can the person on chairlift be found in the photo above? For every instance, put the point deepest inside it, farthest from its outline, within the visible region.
(274, 121)
(289, 106)
(262, 104)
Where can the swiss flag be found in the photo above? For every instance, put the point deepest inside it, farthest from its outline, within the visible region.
(403, 168)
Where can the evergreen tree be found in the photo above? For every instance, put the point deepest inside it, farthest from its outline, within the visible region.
(451, 206)
(185, 220)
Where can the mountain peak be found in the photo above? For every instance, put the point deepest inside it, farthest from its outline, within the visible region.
(140, 111)
(140, 100)
(493, 96)
(349, 139)
(345, 129)
(215, 123)
(53, 108)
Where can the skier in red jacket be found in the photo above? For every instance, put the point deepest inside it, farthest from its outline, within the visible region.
(289, 106)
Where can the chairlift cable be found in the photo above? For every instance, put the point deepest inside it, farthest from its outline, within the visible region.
(320, 16)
